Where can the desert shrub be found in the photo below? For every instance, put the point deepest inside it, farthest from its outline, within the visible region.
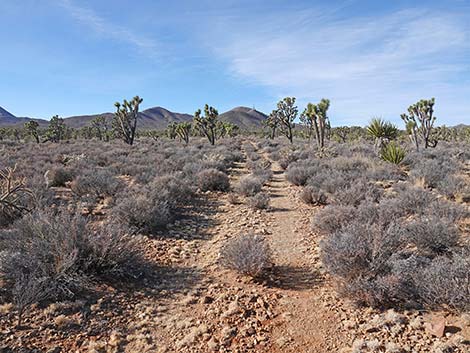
(431, 234)
(431, 172)
(260, 201)
(286, 160)
(447, 210)
(298, 174)
(154, 206)
(247, 254)
(451, 186)
(331, 218)
(358, 192)
(407, 200)
(96, 183)
(375, 251)
(313, 195)
(213, 180)
(264, 174)
(175, 189)
(249, 185)
(58, 176)
(143, 211)
(275, 156)
(445, 282)
(61, 253)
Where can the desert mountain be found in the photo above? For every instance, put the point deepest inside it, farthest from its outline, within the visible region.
(245, 118)
(153, 118)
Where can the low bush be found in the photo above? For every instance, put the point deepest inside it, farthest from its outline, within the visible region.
(58, 176)
(55, 256)
(376, 259)
(96, 183)
(213, 180)
(313, 195)
(249, 185)
(357, 193)
(297, 175)
(445, 282)
(431, 172)
(246, 254)
(259, 201)
(148, 212)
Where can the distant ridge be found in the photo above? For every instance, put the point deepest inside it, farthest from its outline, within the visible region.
(245, 118)
(152, 118)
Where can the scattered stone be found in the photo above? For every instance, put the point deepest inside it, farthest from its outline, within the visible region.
(436, 326)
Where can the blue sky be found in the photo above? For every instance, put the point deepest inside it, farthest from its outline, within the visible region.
(370, 58)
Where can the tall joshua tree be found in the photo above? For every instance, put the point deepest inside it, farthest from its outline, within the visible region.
(56, 130)
(207, 124)
(183, 130)
(225, 128)
(170, 130)
(315, 116)
(286, 113)
(125, 119)
(32, 128)
(99, 125)
(272, 123)
(420, 121)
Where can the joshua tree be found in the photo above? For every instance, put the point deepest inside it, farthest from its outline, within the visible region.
(154, 134)
(420, 121)
(100, 126)
(170, 130)
(272, 123)
(125, 119)
(341, 132)
(32, 128)
(207, 124)
(382, 131)
(183, 130)
(226, 129)
(315, 116)
(56, 130)
(286, 113)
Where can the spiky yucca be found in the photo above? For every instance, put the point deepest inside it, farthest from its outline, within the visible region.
(392, 153)
(379, 128)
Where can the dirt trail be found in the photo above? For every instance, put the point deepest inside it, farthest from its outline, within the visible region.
(306, 323)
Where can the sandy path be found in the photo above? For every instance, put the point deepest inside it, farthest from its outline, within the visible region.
(306, 323)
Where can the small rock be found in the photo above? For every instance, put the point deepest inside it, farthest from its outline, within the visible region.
(436, 326)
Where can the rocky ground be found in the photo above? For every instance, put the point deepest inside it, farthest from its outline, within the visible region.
(191, 304)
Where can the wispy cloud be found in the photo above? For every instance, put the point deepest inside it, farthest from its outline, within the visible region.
(98, 24)
(366, 65)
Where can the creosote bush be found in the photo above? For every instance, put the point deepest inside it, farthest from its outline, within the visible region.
(247, 254)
